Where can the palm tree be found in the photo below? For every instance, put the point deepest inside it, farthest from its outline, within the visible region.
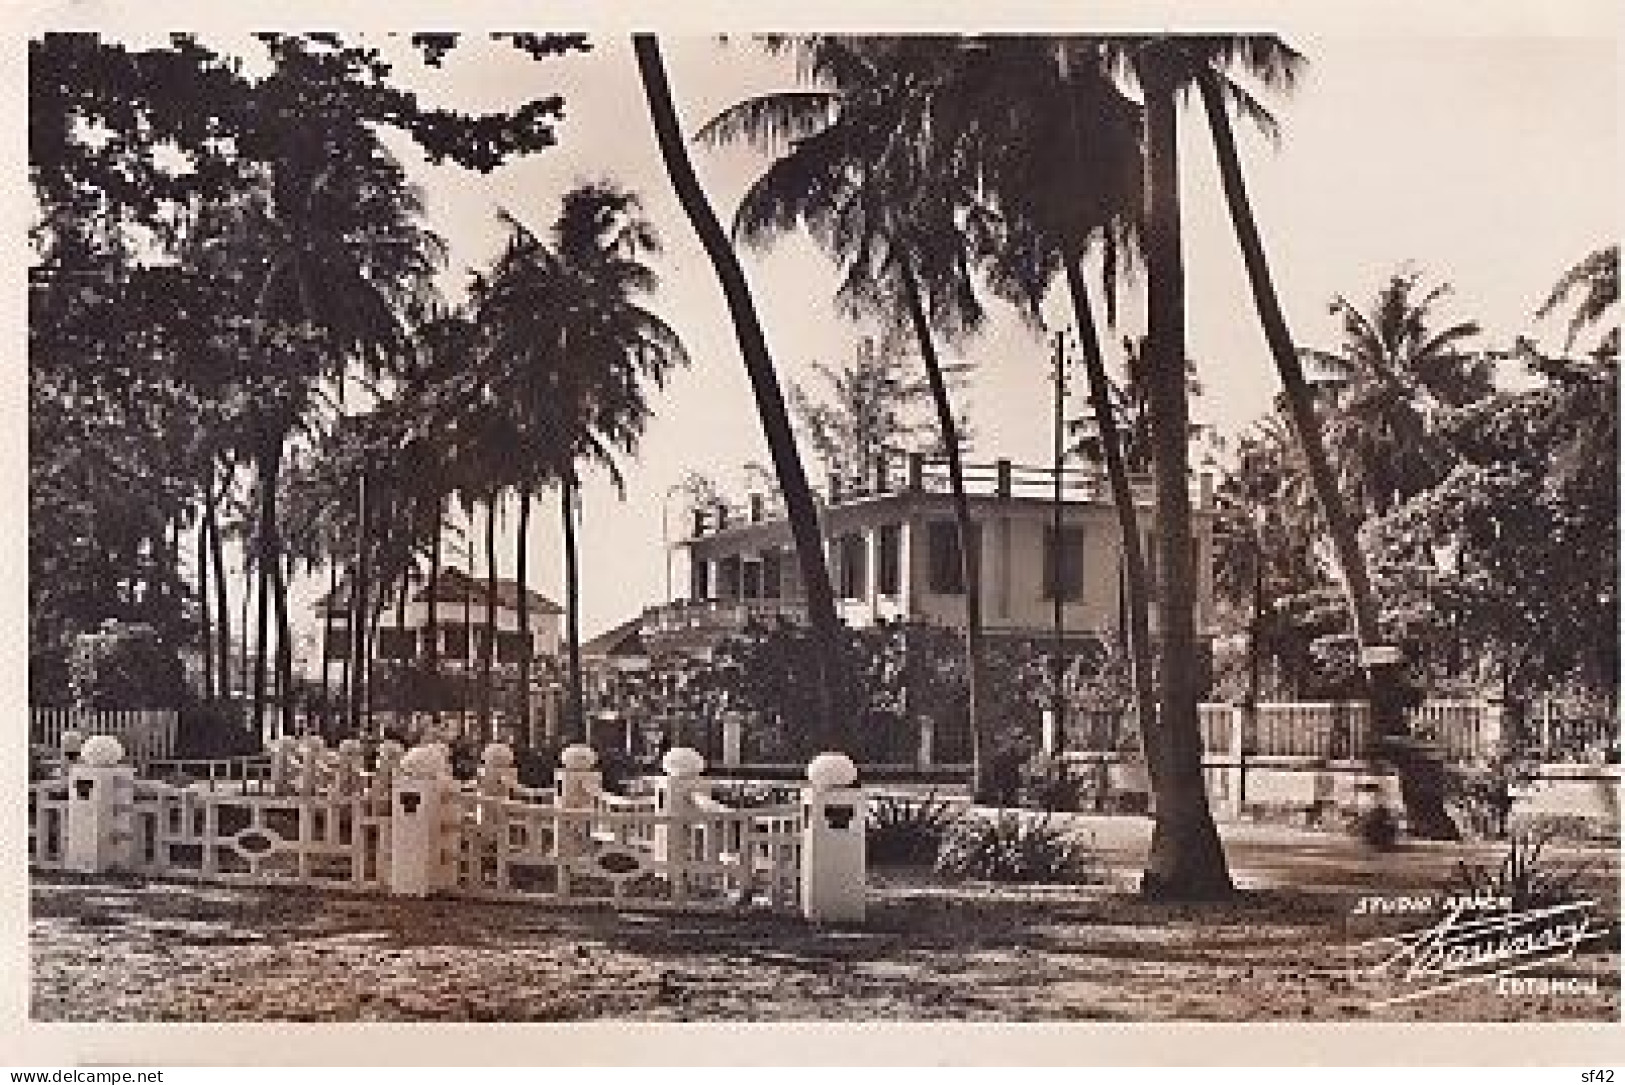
(1020, 98)
(800, 507)
(1272, 60)
(1384, 386)
(572, 347)
(861, 177)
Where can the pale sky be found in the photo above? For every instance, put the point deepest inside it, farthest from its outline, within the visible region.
(1488, 161)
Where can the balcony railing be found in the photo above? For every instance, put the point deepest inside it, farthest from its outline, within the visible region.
(718, 615)
(920, 474)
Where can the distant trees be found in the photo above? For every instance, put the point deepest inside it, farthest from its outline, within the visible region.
(217, 256)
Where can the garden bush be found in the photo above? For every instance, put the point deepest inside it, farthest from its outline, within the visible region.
(1526, 877)
(124, 665)
(1014, 847)
(902, 831)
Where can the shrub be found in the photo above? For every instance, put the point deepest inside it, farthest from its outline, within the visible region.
(903, 830)
(1482, 796)
(1050, 784)
(124, 666)
(1377, 826)
(1525, 877)
(1011, 847)
(213, 730)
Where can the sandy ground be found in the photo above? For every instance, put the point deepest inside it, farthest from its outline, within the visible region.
(106, 950)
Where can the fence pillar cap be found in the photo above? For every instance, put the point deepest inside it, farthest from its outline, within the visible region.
(497, 755)
(828, 771)
(683, 763)
(389, 748)
(425, 763)
(101, 751)
(72, 740)
(578, 758)
(350, 748)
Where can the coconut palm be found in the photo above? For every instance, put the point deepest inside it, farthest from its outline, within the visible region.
(572, 348)
(800, 506)
(1017, 99)
(1385, 384)
(859, 166)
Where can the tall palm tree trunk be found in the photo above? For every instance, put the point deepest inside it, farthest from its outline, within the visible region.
(1136, 578)
(329, 624)
(1186, 860)
(969, 563)
(521, 571)
(217, 558)
(1421, 776)
(284, 646)
(270, 461)
(832, 728)
(576, 725)
(400, 672)
(250, 574)
(432, 623)
(359, 590)
(205, 626)
(488, 650)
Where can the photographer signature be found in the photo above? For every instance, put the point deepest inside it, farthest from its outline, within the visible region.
(1464, 948)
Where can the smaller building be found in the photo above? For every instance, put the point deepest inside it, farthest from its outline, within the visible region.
(406, 642)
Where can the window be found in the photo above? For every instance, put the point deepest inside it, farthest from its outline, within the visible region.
(944, 573)
(510, 646)
(890, 573)
(338, 643)
(728, 577)
(854, 571)
(1063, 565)
(699, 578)
(772, 574)
(752, 585)
(396, 643)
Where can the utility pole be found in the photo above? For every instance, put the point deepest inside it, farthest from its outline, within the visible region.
(1057, 581)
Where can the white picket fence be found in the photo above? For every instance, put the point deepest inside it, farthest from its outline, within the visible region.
(306, 815)
(147, 734)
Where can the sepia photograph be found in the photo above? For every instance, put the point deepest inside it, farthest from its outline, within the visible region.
(916, 527)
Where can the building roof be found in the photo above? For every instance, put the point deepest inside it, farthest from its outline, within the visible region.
(622, 641)
(456, 586)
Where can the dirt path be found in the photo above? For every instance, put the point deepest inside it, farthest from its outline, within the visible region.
(145, 951)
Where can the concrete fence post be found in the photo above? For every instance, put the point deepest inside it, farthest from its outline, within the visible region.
(834, 855)
(674, 799)
(100, 791)
(1236, 791)
(417, 826)
(494, 780)
(576, 789)
(283, 764)
(925, 753)
(390, 753)
(733, 738)
(348, 766)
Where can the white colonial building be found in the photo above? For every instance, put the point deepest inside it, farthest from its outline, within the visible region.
(893, 555)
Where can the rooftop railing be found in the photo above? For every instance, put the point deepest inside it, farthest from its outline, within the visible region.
(921, 474)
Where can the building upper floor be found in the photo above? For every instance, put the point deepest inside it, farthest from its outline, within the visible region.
(460, 631)
(893, 554)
